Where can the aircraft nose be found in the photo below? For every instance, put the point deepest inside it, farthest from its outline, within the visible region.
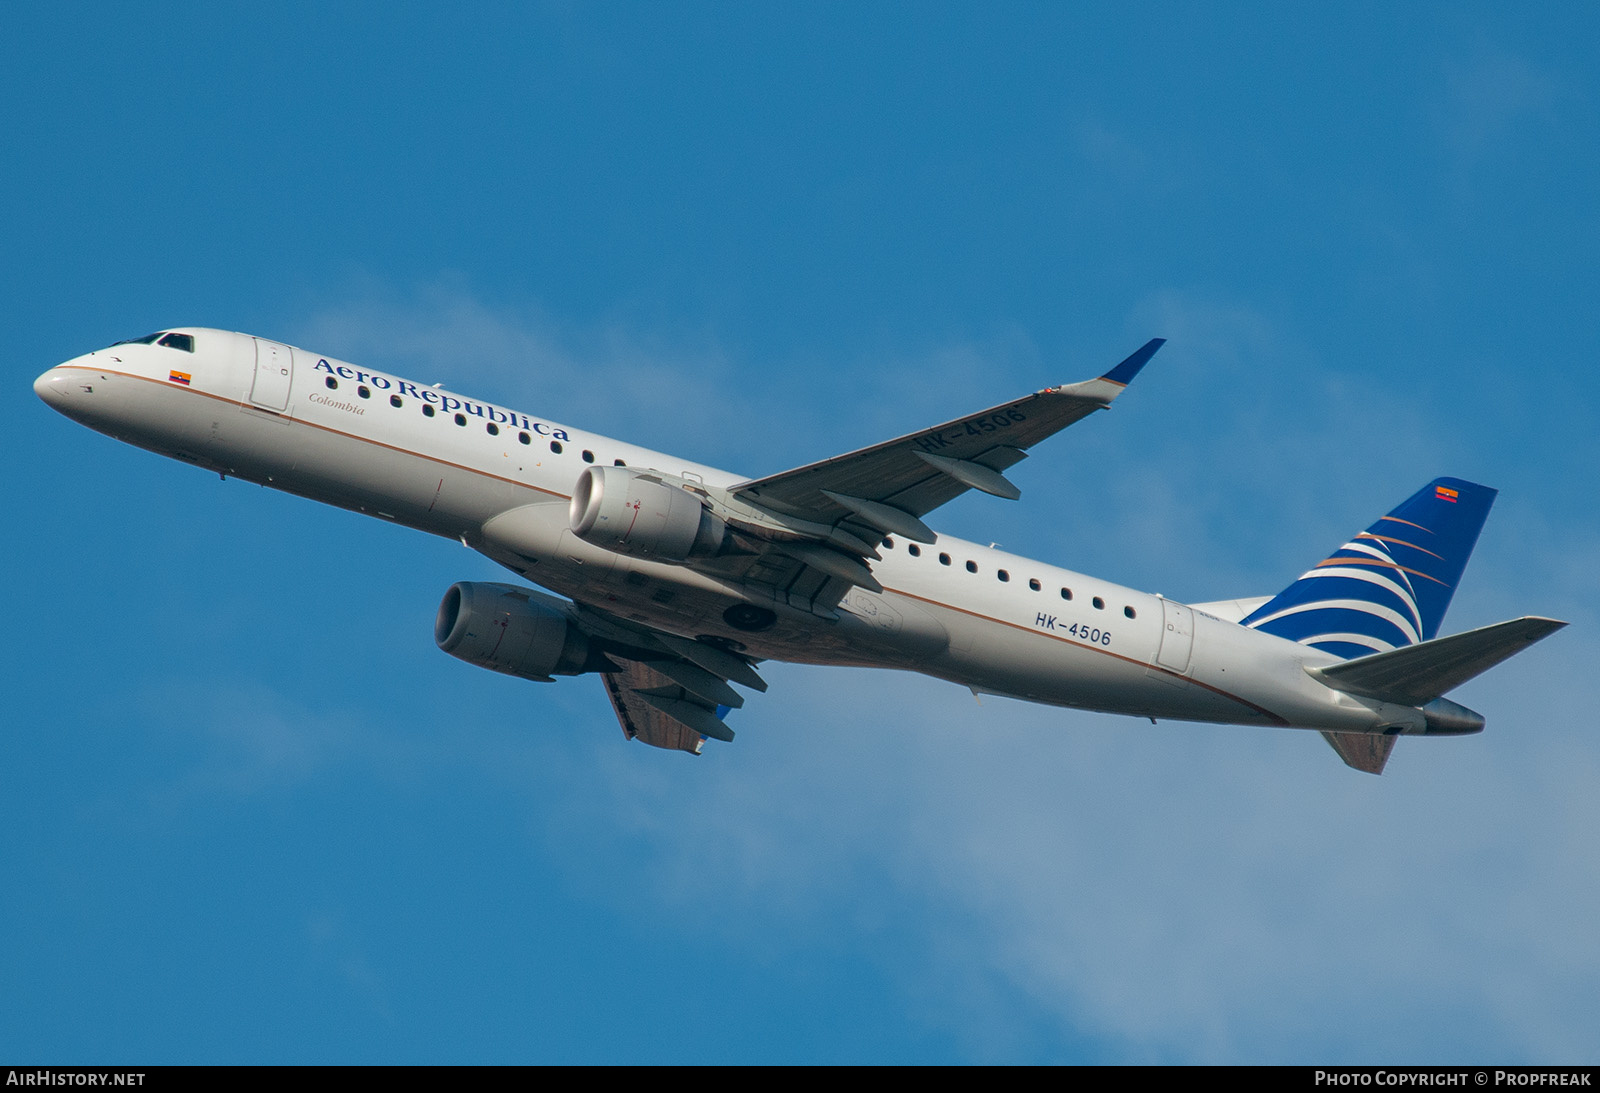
(49, 387)
(76, 392)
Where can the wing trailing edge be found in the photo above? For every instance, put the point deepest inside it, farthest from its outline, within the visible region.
(811, 530)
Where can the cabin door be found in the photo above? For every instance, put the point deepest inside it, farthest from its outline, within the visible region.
(1177, 636)
(274, 373)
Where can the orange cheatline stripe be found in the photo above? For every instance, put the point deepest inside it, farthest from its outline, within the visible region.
(1408, 523)
(1152, 666)
(329, 429)
(1402, 542)
(1377, 564)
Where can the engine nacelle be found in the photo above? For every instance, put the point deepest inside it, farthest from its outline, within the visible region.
(641, 516)
(513, 630)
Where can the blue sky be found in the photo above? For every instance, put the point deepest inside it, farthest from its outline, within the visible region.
(252, 814)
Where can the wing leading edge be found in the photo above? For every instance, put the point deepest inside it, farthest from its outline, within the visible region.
(807, 535)
(898, 481)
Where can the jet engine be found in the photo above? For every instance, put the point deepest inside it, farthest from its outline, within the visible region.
(514, 630)
(642, 516)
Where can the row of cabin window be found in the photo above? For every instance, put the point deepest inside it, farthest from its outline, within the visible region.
(461, 419)
(1033, 582)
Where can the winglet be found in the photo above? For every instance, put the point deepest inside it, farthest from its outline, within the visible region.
(1123, 373)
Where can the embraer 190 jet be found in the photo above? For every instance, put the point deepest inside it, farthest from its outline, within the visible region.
(680, 578)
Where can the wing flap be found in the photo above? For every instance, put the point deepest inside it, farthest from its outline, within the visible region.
(725, 664)
(1365, 751)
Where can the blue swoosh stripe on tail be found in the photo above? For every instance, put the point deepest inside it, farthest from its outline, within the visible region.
(1405, 566)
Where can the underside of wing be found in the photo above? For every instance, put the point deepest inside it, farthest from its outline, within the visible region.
(807, 535)
(801, 540)
(915, 474)
(668, 691)
(1367, 752)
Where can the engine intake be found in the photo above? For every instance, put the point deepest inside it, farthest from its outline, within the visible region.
(513, 630)
(642, 516)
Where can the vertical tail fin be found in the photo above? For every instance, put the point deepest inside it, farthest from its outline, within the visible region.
(1390, 585)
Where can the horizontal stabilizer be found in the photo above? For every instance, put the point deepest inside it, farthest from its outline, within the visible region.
(972, 452)
(1366, 751)
(1414, 675)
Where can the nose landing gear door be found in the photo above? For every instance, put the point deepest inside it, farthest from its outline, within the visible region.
(274, 374)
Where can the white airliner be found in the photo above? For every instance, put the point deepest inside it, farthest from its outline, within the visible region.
(680, 578)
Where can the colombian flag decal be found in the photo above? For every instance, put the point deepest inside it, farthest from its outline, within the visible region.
(1443, 493)
(183, 377)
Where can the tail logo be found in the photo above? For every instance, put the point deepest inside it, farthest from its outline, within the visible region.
(1360, 596)
(1389, 586)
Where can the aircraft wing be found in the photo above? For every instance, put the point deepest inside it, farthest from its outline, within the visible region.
(807, 535)
(888, 486)
(646, 701)
(668, 691)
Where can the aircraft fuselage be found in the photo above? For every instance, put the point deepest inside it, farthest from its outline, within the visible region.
(500, 480)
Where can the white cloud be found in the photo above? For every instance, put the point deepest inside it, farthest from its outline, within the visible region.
(1196, 893)
(1487, 96)
(1191, 893)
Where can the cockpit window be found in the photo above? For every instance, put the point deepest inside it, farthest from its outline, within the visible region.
(184, 342)
(148, 339)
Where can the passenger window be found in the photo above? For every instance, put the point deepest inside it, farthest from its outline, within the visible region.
(494, 430)
(1099, 604)
(1033, 583)
(944, 559)
(619, 462)
(333, 384)
(588, 456)
(427, 411)
(184, 342)
(1066, 593)
(1003, 575)
(972, 567)
(555, 446)
(396, 401)
(461, 419)
(914, 550)
(888, 544)
(1128, 611)
(363, 391)
(524, 438)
